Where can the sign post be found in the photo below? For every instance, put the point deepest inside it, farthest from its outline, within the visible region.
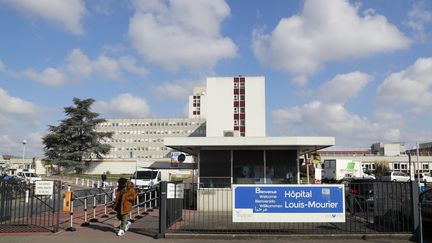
(288, 203)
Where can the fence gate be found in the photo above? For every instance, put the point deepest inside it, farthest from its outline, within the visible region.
(21, 210)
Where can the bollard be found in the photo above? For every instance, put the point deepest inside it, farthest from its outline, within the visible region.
(113, 199)
(110, 183)
(156, 197)
(76, 180)
(105, 208)
(82, 181)
(145, 202)
(86, 223)
(92, 183)
(71, 228)
(138, 216)
(98, 184)
(26, 196)
(151, 202)
(69, 188)
(88, 182)
(94, 219)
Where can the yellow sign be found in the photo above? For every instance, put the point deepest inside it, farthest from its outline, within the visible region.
(316, 158)
(67, 201)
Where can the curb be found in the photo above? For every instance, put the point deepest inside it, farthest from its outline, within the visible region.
(289, 237)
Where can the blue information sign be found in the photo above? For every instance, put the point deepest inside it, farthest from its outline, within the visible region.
(288, 203)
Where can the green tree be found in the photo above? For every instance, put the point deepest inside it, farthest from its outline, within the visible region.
(381, 167)
(75, 141)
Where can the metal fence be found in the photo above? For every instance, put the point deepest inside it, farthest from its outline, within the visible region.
(21, 210)
(371, 208)
(85, 202)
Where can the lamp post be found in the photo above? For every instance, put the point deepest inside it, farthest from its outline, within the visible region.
(24, 142)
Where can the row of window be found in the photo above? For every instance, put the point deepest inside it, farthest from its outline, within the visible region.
(158, 132)
(138, 156)
(240, 110)
(239, 123)
(163, 148)
(236, 97)
(140, 124)
(395, 166)
(130, 140)
(239, 85)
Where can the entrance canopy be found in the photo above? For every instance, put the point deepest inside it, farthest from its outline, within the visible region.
(192, 145)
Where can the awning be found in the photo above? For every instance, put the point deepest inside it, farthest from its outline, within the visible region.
(192, 145)
(159, 165)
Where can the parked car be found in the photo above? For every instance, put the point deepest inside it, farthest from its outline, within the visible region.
(426, 204)
(361, 191)
(395, 176)
(28, 177)
(424, 177)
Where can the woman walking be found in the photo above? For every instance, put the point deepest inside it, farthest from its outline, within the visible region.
(123, 204)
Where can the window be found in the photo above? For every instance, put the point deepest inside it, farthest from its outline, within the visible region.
(248, 166)
(425, 166)
(281, 166)
(242, 97)
(215, 168)
(242, 110)
(396, 166)
(403, 166)
(242, 123)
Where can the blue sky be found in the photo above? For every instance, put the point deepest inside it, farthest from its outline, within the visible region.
(357, 70)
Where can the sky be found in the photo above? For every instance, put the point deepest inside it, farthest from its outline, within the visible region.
(360, 71)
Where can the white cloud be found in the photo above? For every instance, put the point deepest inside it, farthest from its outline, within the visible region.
(107, 67)
(79, 66)
(2, 66)
(327, 114)
(417, 19)
(322, 32)
(49, 76)
(411, 86)
(17, 118)
(12, 144)
(16, 106)
(344, 87)
(124, 105)
(129, 64)
(178, 90)
(181, 33)
(65, 13)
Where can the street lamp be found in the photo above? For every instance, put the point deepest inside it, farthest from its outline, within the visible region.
(24, 143)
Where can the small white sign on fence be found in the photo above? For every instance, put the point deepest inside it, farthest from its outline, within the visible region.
(175, 191)
(44, 188)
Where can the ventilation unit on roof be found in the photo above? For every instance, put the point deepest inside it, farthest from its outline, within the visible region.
(230, 133)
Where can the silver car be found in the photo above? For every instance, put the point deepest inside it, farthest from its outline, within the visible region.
(395, 176)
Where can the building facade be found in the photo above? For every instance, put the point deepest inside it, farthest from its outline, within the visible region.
(143, 138)
(392, 153)
(235, 106)
(197, 103)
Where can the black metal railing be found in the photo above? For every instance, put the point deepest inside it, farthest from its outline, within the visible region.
(371, 207)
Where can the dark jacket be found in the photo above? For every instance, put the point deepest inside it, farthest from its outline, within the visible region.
(127, 200)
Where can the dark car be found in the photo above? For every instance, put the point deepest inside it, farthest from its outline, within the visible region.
(359, 194)
(426, 204)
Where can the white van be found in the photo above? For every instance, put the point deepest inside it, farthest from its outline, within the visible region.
(395, 176)
(149, 178)
(28, 177)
